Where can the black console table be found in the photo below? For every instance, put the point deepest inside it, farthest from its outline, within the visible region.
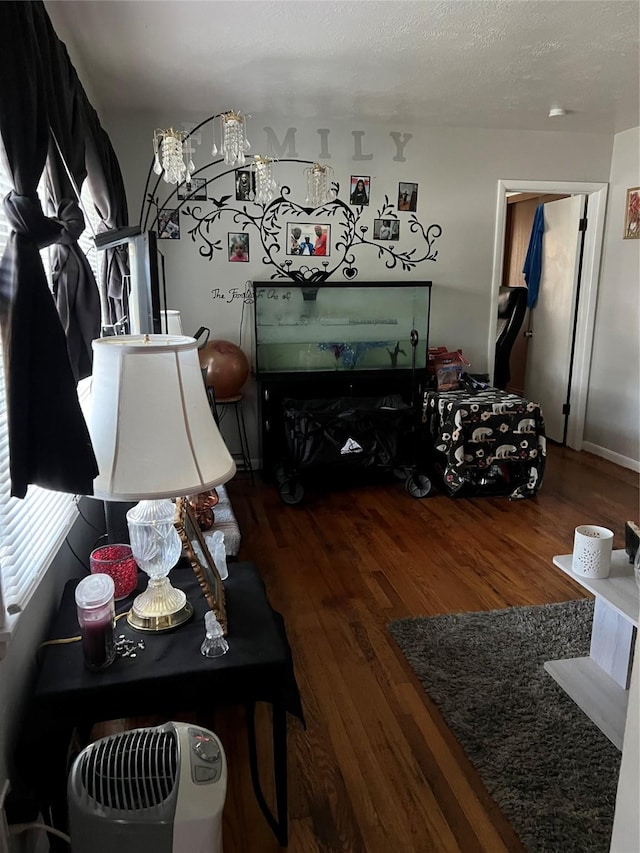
(169, 670)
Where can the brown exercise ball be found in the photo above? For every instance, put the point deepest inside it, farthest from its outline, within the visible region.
(227, 367)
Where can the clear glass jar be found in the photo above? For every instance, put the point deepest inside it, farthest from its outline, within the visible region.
(96, 617)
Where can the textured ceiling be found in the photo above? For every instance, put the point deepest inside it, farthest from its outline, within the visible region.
(499, 63)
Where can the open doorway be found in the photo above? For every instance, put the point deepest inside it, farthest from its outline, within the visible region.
(505, 271)
(521, 209)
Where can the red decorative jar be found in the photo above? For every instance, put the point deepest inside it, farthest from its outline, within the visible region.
(116, 561)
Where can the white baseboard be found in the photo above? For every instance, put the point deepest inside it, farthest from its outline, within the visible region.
(609, 455)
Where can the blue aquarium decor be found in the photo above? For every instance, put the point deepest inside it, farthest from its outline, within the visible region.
(351, 353)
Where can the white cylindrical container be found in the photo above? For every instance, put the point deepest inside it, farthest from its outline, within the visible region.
(592, 546)
(172, 321)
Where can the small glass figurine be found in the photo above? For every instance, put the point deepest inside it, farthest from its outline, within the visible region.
(214, 644)
(219, 554)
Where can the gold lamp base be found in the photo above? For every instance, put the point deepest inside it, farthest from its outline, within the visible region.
(160, 607)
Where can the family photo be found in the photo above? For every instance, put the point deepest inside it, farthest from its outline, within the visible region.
(245, 185)
(386, 229)
(195, 189)
(238, 247)
(168, 224)
(408, 197)
(359, 190)
(308, 238)
(632, 214)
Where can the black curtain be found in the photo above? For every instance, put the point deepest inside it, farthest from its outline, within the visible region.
(49, 440)
(107, 188)
(74, 285)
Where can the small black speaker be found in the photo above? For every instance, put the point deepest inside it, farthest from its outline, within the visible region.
(631, 539)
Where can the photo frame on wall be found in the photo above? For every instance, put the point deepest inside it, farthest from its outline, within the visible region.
(200, 559)
(245, 185)
(386, 229)
(238, 245)
(196, 189)
(168, 224)
(309, 239)
(359, 190)
(407, 196)
(632, 214)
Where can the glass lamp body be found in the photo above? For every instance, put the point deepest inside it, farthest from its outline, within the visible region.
(156, 547)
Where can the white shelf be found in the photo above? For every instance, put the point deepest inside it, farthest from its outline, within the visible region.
(619, 590)
(595, 692)
(596, 683)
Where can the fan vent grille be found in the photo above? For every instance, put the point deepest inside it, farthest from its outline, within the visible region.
(131, 771)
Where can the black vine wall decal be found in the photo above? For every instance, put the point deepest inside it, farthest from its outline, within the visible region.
(349, 233)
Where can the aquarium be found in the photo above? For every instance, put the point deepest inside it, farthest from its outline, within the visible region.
(366, 326)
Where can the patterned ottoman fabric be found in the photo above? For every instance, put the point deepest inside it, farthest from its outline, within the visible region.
(480, 432)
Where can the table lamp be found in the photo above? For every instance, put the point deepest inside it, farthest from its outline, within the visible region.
(154, 438)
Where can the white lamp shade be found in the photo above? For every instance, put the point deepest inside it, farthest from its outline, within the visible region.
(171, 322)
(151, 427)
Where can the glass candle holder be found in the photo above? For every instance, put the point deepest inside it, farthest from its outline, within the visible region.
(118, 562)
(96, 617)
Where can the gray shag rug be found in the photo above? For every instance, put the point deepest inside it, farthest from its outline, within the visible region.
(549, 768)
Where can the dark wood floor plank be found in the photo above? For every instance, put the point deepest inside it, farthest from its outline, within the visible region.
(349, 561)
(377, 770)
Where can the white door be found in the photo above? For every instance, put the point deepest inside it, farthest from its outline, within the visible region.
(552, 321)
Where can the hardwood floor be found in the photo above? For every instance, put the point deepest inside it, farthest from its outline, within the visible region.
(376, 770)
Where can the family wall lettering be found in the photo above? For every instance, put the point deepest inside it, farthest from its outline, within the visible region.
(286, 147)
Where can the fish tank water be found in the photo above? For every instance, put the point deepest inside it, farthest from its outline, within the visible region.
(330, 326)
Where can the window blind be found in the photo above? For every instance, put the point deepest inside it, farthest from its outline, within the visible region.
(32, 529)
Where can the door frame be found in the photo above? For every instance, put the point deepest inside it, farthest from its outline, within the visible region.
(597, 203)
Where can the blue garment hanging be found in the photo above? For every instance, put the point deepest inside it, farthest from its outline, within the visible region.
(533, 262)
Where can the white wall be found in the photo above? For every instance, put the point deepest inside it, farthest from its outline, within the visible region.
(613, 404)
(457, 171)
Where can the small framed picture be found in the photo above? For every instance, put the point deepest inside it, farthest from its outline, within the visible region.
(245, 185)
(168, 224)
(238, 247)
(200, 559)
(359, 190)
(632, 214)
(386, 229)
(308, 238)
(196, 189)
(408, 197)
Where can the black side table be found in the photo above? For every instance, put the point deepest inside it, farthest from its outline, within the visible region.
(169, 670)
